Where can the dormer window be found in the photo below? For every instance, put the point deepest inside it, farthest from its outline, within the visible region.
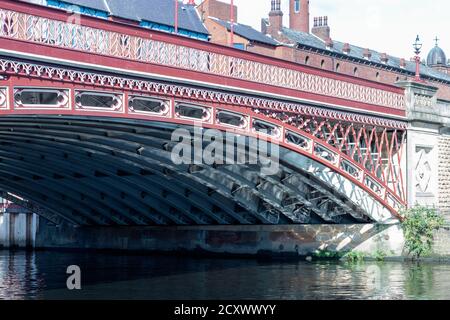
(297, 5)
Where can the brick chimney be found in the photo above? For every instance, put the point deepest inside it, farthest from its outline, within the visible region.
(217, 9)
(275, 18)
(321, 28)
(403, 63)
(367, 54)
(299, 15)
(346, 49)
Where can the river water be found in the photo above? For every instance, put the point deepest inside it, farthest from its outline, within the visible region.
(42, 275)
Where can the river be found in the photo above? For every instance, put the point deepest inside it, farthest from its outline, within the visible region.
(42, 275)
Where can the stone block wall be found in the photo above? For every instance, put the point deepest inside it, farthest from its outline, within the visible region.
(441, 243)
(444, 176)
(252, 240)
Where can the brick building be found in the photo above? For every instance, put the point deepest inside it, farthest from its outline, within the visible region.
(317, 48)
(216, 17)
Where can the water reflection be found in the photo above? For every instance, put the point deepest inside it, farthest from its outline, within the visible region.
(42, 275)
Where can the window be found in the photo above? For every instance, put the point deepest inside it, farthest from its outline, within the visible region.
(377, 76)
(297, 5)
(338, 66)
(322, 63)
(307, 60)
(148, 105)
(37, 97)
(266, 128)
(192, 112)
(355, 71)
(98, 100)
(231, 119)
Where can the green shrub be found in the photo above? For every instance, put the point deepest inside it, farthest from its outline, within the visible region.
(327, 254)
(354, 257)
(418, 226)
(380, 255)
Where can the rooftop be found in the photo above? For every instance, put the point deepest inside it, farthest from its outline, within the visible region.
(314, 42)
(247, 32)
(155, 11)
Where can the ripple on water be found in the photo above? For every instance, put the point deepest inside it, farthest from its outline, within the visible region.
(105, 275)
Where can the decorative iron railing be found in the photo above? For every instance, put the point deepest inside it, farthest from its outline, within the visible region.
(62, 34)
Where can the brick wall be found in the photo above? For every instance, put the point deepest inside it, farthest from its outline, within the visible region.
(444, 175)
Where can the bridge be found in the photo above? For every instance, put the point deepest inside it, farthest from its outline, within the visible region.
(88, 111)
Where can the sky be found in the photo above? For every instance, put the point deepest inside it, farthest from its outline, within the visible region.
(387, 26)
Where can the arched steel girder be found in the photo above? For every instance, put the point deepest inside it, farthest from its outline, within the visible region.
(29, 169)
(88, 147)
(47, 213)
(41, 199)
(15, 135)
(101, 180)
(231, 177)
(88, 160)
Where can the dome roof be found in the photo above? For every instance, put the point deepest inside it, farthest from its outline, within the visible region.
(436, 57)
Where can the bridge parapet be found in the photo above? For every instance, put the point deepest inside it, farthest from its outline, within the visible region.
(55, 29)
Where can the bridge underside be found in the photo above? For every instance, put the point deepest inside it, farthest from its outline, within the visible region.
(98, 171)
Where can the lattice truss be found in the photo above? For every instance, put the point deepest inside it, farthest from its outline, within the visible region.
(378, 150)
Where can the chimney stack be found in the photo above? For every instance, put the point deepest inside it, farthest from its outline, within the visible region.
(403, 63)
(321, 28)
(346, 49)
(217, 9)
(367, 54)
(299, 15)
(275, 18)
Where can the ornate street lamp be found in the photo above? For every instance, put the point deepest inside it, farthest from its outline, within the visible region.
(232, 23)
(417, 49)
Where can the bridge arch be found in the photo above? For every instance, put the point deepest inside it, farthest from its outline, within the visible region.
(332, 153)
(119, 171)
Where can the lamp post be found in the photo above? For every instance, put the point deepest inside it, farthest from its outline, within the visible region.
(417, 49)
(232, 24)
(176, 16)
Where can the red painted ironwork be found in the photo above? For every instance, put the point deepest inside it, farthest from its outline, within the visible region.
(368, 153)
(108, 43)
(367, 150)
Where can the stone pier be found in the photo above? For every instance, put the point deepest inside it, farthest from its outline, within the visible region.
(428, 147)
(18, 230)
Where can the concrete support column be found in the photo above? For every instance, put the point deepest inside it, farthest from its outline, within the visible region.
(18, 230)
(429, 121)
